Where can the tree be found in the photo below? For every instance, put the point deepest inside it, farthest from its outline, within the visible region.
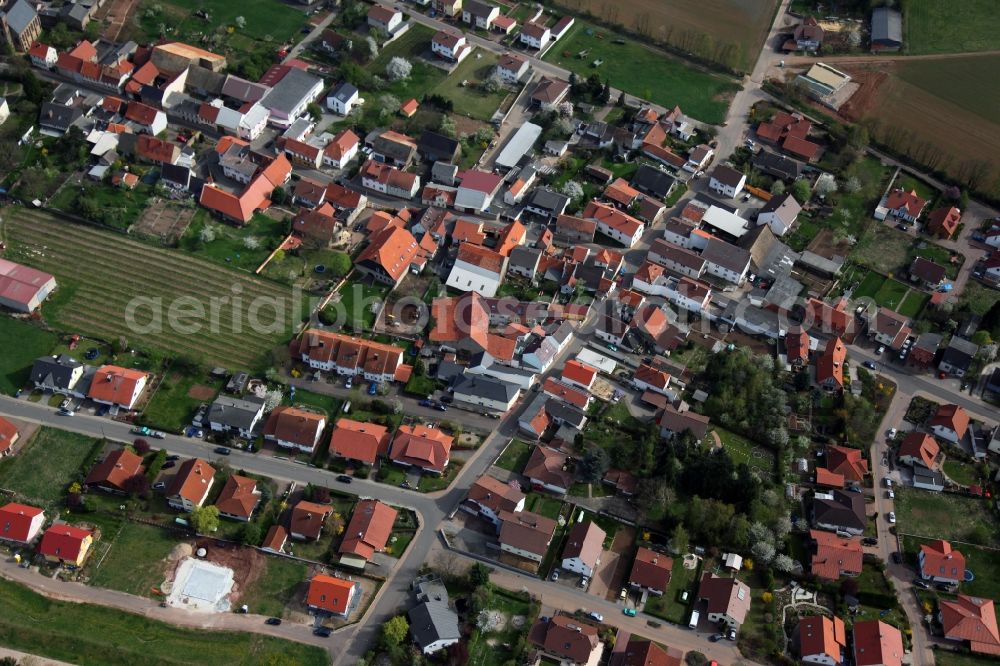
(484, 135)
(398, 69)
(573, 190)
(479, 575)
(447, 126)
(340, 264)
(493, 84)
(272, 399)
(141, 446)
(849, 586)
(315, 111)
(982, 338)
(679, 540)
(594, 464)
(763, 552)
(279, 197)
(801, 190)
(826, 185)
(372, 47)
(394, 632)
(321, 495)
(205, 519)
(695, 658)
(250, 536)
(240, 22)
(778, 188)
(137, 486)
(783, 563)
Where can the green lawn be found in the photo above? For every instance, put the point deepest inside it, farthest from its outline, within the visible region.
(742, 450)
(494, 649)
(421, 385)
(171, 408)
(961, 472)
(245, 247)
(327, 404)
(135, 561)
(644, 73)
(119, 207)
(669, 606)
(21, 343)
(979, 298)
(470, 100)
(355, 305)
(948, 658)
(913, 304)
(430, 483)
(933, 27)
(891, 294)
(945, 516)
(515, 456)
(543, 505)
(938, 255)
(92, 635)
(52, 460)
(869, 286)
(283, 581)
(423, 76)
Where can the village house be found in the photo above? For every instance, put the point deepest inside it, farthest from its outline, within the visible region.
(822, 640)
(877, 644)
(349, 356)
(357, 441)
(113, 473)
(118, 387)
(584, 545)
(728, 599)
(20, 523)
(651, 571)
(566, 639)
(971, 620)
(950, 423)
(307, 520)
(938, 562)
(835, 556)
(547, 470)
(957, 356)
(235, 417)
(423, 447)
(191, 484)
(919, 448)
(66, 545)
(239, 498)
(367, 533)
(526, 534)
(329, 596)
(727, 181)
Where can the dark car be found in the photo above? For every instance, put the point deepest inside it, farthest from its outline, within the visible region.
(441, 408)
(447, 398)
(222, 451)
(168, 464)
(343, 478)
(897, 558)
(273, 621)
(321, 631)
(426, 403)
(91, 354)
(869, 541)
(870, 365)
(169, 458)
(945, 587)
(716, 638)
(921, 584)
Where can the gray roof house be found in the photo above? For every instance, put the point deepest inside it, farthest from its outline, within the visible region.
(289, 97)
(652, 181)
(434, 625)
(20, 24)
(546, 203)
(524, 261)
(55, 119)
(59, 374)
(887, 29)
(492, 394)
(237, 416)
(840, 512)
(779, 166)
(957, 356)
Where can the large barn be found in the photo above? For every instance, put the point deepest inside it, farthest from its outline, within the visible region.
(23, 289)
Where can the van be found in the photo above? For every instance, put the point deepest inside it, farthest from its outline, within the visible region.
(695, 616)
(347, 406)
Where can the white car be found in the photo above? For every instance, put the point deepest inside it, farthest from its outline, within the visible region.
(881, 348)
(596, 616)
(888, 482)
(891, 434)
(892, 517)
(890, 495)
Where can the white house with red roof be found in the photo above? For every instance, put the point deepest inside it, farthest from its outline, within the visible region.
(615, 224)
(971, 619)
(20, 523)
(66, 545)
(190, 486)
(121, 387)
(583, 549)
(579, 374)
(822, 640)
(477, 269)
(451, 46)
(293, 428)
(535, 35)
(476, 191)
(23, 289)
(877, 644)
(901, 204)
(940, 563)
(511, 67)
(950, 423)
(421, 446)
(43, 55)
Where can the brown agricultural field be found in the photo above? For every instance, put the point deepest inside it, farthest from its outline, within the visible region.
(703, 27)
(919, 109)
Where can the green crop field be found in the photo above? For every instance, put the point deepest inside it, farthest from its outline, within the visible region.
(21, 343)
(645, 73)
(101, 274)
(939, 26)
(90, 635)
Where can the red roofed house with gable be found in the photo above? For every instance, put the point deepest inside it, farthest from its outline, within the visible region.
(797, 347)
(490, 496)
(651, 571)
(20, 523)
(830, 365)
(112, 474)
(294, 428)
(367, 533)
(579, 374)
(877, 644)
(307, 519)
(358, 441)
(847, 461)
(238, 499)
(942, 222)
(65, 544)
(822, 640)
(940, 563)
(388, 256)
(332, 596)
(919, 448)
(971, 619)
(8, 437)
(113, 385)
(835, 556)
(421, 446)
(583, 549)
(904, 205)
(191, 484)
(950, 423)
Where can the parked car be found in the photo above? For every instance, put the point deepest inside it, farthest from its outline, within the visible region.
(159, 485)
(441, 408)
(157, 434)
(66, 412)
(172, 458)
(629, 611)
(892, 517)
(273, 621)
(168, 464)
(731, 634)
(426, 403)
(891, 435)
(584, 582)
(596, 616)
(222, 451)
(343, 478)
(348, 383)
(373, 389)
(922, 584)
(715, 638)
(888, 481)
(323, 632)
(612, 347)
(870, 365)
(881, 348)
(890, 495)
(555, 574)
(869, 541)
(945, 587)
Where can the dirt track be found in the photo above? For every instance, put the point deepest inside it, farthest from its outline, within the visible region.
(798, 61)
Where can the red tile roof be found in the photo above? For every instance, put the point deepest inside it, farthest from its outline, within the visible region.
(526, 531)
(117, 467)
(828, 479)
(307, 519)
(846, 461)
(652, 376)
(944, 221)
(581, 373)
(909, 201)
(392, 249)
(421, 446)
(341, 144)
(349, 352)
(621, 192)
(15, 521)
(952, 417)
(613, 218)
(63, 542)
(585, 542)
(481, 181)
(275, 538)
(876, 642)
(651, 570)
(468, 316)
(830, 366)
(238, 496)
(971, 619)
(193, 480)
(834, 555)
(571, 394)
(115, 385)
(546, 465)
(359, 441)
(819, 635)
(330, 594)
(727, 596)
(496, 495)
(941, 560)
(8, 434)
(141, 113)
(797, 345)
(369, 529)
(481, 257)
(921, 446)
(409, 107)
(641, 652)
(566, 638)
